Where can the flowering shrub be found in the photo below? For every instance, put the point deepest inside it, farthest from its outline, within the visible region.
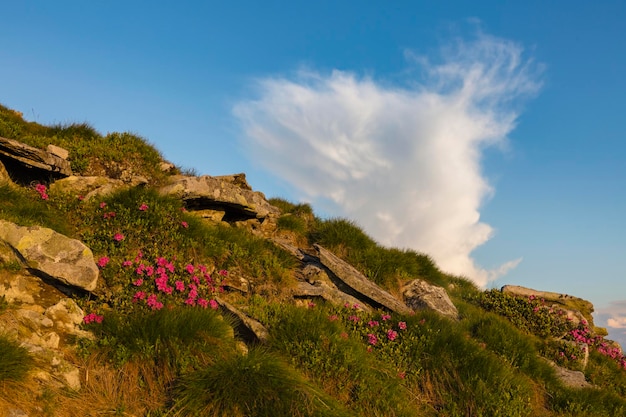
(530, 314)
(582, 334)
(379, 332)
(166, 282)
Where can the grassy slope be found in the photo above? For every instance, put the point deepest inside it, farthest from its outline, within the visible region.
(321, 360)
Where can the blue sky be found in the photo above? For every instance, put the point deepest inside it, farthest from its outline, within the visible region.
(511, 111)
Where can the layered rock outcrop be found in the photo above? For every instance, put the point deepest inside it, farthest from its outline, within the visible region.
(51, 255)
(28, 163)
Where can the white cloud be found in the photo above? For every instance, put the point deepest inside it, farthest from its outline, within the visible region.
(617, 322)
(403, 161)
(613, 317)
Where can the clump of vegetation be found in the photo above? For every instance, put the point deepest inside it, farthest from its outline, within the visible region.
(258, 383)
(15, 362)
(90, 153)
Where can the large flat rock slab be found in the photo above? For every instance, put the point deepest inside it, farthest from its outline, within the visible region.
(230, 194)
(52, 255)
(30, 157)
(351, 277)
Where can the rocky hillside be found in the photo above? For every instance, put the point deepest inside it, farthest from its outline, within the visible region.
(128, 288)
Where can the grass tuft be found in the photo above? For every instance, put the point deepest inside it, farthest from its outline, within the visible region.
(258, 384)
(15, 362)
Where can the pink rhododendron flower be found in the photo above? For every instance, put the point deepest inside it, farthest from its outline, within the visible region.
(333, 317)
(189, 268)
(138, 282)
(372, 339)
(223, 272)
(213, 304)
(311, 304)
(118, 237)
(127, 263)
(180, 286)
(372, 323)
(203, 303)
(392, 334)
(143, 207)
(385, 317)
(184, 224)
(139, 295)
(41, 189)
(402, 325)
(103, 261)
(353, 319)
(103, 204)
(153, 302)
(92, 317)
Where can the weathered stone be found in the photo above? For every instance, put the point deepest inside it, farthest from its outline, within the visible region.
(58, 151)
(563, 299)
(211, 215)
(71, 376)
(5, 178)
(166, 166)
(66, 315)
(28, 157)
(569, 378)
(576, 308)
(248, 328)
(420, 295)
(94, 186)
(230, 194)
(347, 274)
(321, 289)
(51, 254)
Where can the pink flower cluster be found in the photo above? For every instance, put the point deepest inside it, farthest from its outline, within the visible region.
(162, 280)
(103, 261)
(42, 190)
(92, 318)
(582, 334)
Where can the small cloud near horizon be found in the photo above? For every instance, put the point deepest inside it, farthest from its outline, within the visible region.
(613, 317)
(403, 161)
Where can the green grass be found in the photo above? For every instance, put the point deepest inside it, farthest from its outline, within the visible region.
(15, 362)
(178, 338)
(339, 363)
(90, 153)
(385, 266)
(258, 384)
(26, 208)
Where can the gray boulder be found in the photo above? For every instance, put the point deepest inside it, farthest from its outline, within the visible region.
(93, 186)
(420, 295)
(230, 194)
(352, 278)
(52, 255)
(248, 328)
